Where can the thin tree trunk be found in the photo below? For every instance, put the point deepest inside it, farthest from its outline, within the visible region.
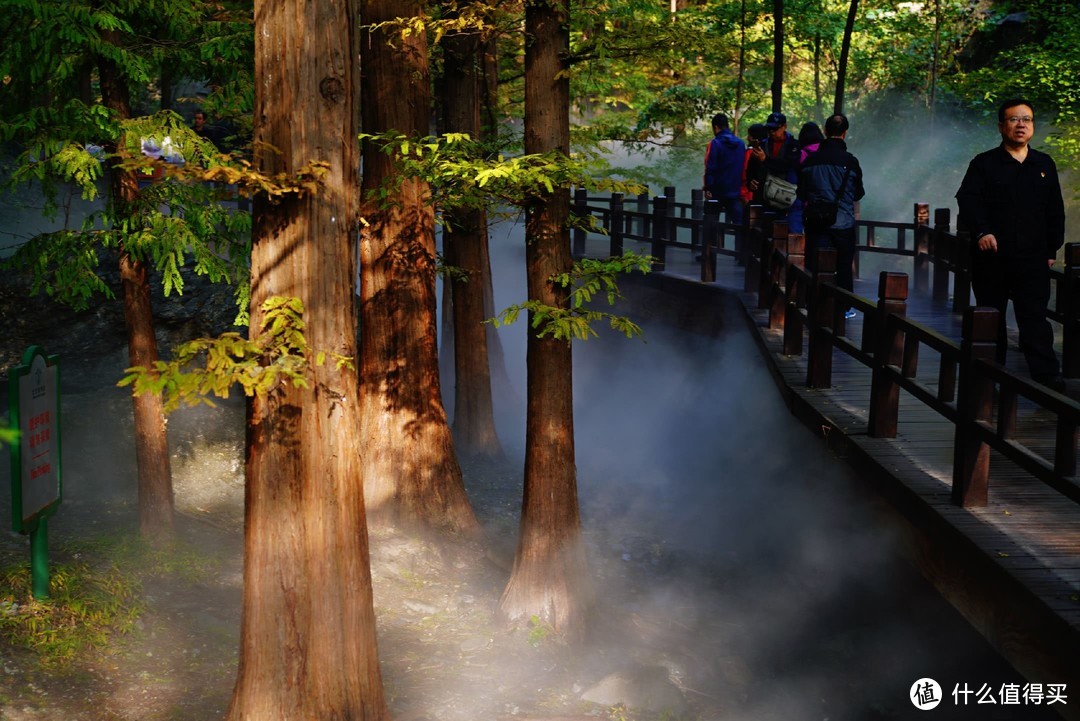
(465, 244)
(549, 577)
(935, 60)
(841, 72)
(741, 80)
(411, 473)
(151, 440)
(778, 56)
(307, 645)
(819, 105)
(502, 387)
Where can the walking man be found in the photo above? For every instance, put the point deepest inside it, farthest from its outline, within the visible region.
(1010, 200)
(832, 178)
(723, 169)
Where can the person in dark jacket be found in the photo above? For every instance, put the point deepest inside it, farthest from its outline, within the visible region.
(1010, 201)
(782, 160)
(753, 176)
(833, 175)
(810, 137)
(724, 168)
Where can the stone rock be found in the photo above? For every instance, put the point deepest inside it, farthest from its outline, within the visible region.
(647, 688)
(474, 644)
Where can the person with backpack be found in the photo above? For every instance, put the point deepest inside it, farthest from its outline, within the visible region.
(830, 183)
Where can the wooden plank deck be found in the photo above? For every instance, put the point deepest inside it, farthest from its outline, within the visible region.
(1028, 533)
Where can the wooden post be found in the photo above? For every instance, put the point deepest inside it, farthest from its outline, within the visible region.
(962, 272)
(754, 243)
(710, 230)
(659, 232)
(921, 270)
(819, 358)
(581, 213)
(796, 249)
(777, 300)
(672, 233)
(776, 239)
(971, 456)
(697, 213)
(889, 350)
(1069, 305)
(1065, 448)
(753, 217)
(615, 230)
(643, 210)
(941, 255)
(793, 321)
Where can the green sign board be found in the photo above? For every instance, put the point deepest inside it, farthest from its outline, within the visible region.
(34, 395)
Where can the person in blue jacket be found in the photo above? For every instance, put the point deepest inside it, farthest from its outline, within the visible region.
(723, 169)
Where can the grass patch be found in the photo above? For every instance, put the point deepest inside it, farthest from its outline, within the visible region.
(84, 609)
(95, 594)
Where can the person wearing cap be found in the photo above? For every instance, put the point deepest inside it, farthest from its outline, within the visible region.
(1010, 201)
(723, 169)
(782, 160)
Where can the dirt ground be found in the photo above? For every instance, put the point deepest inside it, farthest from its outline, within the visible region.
(734, 583)
(444, 655)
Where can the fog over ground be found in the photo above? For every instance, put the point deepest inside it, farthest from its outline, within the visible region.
(753, 569)
(736, 523)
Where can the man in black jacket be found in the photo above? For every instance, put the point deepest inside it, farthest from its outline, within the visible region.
(1010, 201)
(833, 175)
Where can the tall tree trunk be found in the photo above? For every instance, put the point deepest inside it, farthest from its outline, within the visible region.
(845, 47)
(465, 245)
(489, 105)
(819, 104)
(549, 576)
(307, 645)
(741, 80)
(502, 387)
(411, 473)
(778, 56)
(151, 440)
(934, 62)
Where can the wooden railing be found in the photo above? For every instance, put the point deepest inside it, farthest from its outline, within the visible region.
(808, 305)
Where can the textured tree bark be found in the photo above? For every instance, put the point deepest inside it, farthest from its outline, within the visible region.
(845, 47)
(307, 646)
(465, 246)
(410, 470)
(549, 576)
(778, 57)
(151, 440)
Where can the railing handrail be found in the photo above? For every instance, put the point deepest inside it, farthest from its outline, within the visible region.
(967, 376)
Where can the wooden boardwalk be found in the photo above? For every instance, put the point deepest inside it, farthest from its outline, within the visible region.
(1011, 567)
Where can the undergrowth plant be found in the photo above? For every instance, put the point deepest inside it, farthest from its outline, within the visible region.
(91, 603)
(86, 607)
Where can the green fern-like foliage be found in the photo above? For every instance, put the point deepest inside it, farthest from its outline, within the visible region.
(587, 279)
(205, 368)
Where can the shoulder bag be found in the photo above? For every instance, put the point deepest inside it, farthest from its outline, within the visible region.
(820, 215)
(778, 193)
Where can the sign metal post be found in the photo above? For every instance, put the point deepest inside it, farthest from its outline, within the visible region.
(34, 393)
